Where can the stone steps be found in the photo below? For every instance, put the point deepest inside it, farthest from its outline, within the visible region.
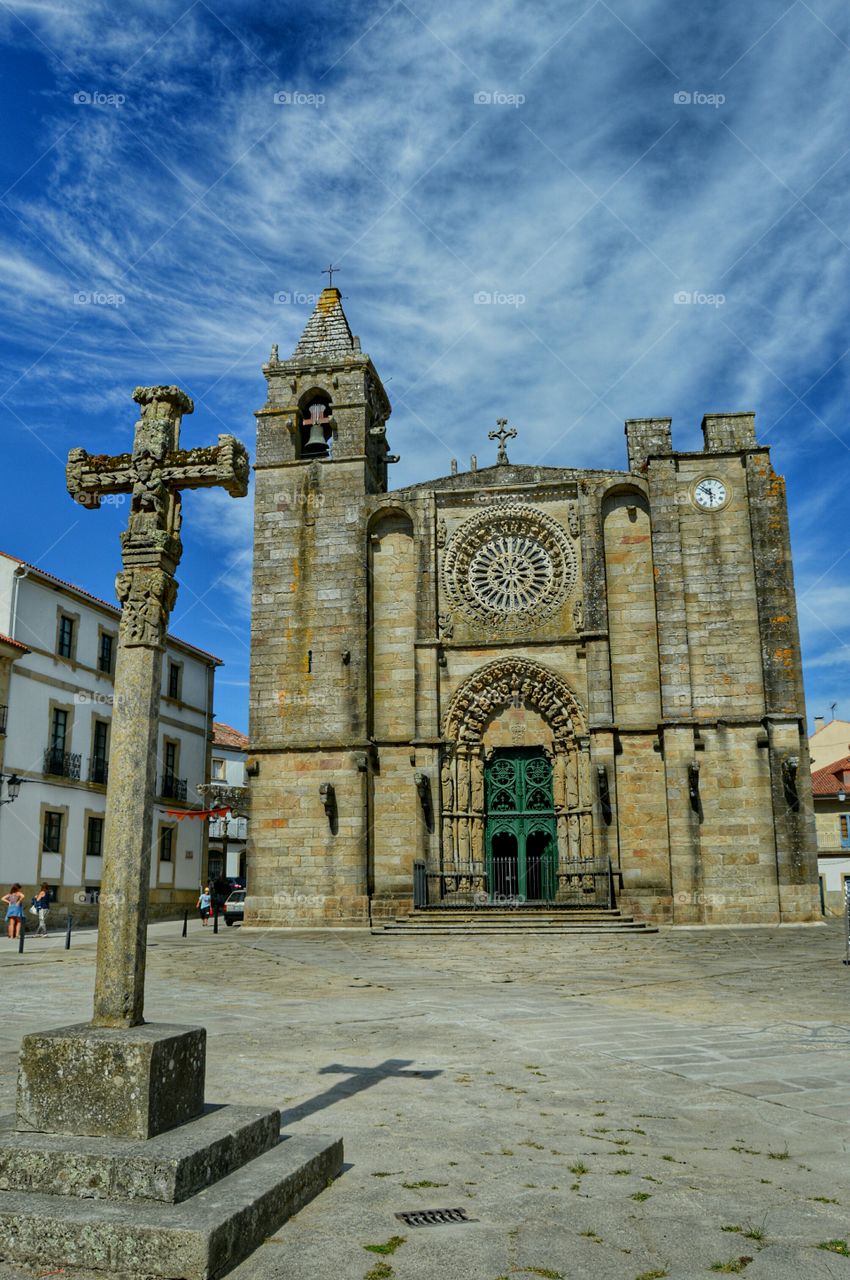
(193, 1240)
(541, 922)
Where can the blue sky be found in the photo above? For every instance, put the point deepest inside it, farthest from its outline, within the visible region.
(582, 163)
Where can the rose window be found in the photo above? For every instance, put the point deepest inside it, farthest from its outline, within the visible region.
(509, 567)
(510, 573)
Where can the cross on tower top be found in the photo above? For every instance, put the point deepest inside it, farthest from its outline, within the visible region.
(502, 435)
(329, 272)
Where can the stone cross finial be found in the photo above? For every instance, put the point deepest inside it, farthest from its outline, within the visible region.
(154, 475)
(329, 272)
(502, 435)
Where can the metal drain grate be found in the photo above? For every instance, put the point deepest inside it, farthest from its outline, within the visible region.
(433, 1217)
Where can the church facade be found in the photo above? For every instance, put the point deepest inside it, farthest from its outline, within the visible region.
(518, 684)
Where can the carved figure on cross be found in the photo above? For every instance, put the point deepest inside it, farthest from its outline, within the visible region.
(502, 435)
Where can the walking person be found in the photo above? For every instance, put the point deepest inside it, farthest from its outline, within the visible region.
(203, 905)
(41, 902)
(14, 910)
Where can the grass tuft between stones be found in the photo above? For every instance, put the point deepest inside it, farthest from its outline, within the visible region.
(380, 1271)
(836, 1246)
(391, 1245)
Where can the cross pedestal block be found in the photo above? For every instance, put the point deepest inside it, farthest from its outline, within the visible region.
(106, 1082)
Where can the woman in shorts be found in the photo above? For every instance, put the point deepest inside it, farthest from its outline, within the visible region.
(14, 910)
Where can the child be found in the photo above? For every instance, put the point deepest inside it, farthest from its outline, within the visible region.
(15, 911)
(203, 905)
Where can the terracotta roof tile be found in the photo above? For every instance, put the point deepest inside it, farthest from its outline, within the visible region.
(224, 735)
(15, 643)
(830, 780)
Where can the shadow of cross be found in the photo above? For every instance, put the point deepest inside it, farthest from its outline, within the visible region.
(360, 1078)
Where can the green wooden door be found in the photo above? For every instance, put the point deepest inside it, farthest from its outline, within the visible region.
(521, 835)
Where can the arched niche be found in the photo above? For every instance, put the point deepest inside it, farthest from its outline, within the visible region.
(315, 424)
(392, 609)
(632, 621)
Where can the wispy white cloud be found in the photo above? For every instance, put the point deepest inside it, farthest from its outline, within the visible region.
(593, 202)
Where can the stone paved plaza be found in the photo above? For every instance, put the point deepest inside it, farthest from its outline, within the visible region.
(665, 1105)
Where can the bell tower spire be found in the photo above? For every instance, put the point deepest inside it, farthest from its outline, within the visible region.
(326, 403)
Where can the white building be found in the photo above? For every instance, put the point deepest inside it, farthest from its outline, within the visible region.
(57, 663)
(228, 836)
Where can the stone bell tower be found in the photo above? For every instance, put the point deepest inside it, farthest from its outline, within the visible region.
(321, 449)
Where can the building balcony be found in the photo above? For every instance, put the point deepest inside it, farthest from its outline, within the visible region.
(4, 712)
(171, 788)
(99, 771)
(61, 764)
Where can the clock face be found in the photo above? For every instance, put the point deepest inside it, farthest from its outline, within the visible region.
(710, 494)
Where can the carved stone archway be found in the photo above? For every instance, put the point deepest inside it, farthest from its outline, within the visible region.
(500, 684)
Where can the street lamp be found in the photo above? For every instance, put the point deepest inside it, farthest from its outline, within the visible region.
(13, 786)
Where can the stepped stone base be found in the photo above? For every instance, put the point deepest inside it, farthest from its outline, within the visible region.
(199, 1238)
(113, 1168)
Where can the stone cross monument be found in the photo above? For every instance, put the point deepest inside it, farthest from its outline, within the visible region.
(154, 474)
(113, 1163)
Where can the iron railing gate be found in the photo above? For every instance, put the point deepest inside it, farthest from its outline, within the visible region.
(569, 882)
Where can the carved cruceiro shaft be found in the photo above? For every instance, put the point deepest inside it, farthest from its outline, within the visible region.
(154, 474)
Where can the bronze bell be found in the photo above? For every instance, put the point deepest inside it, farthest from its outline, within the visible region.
(316, 445)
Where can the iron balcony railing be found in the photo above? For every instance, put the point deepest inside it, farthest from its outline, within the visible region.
(99, 770)
(4, 712)
(509, 882)
(171, 788)
(61, 764)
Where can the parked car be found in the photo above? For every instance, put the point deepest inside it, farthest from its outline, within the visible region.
(234, 907)
(222, 888)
